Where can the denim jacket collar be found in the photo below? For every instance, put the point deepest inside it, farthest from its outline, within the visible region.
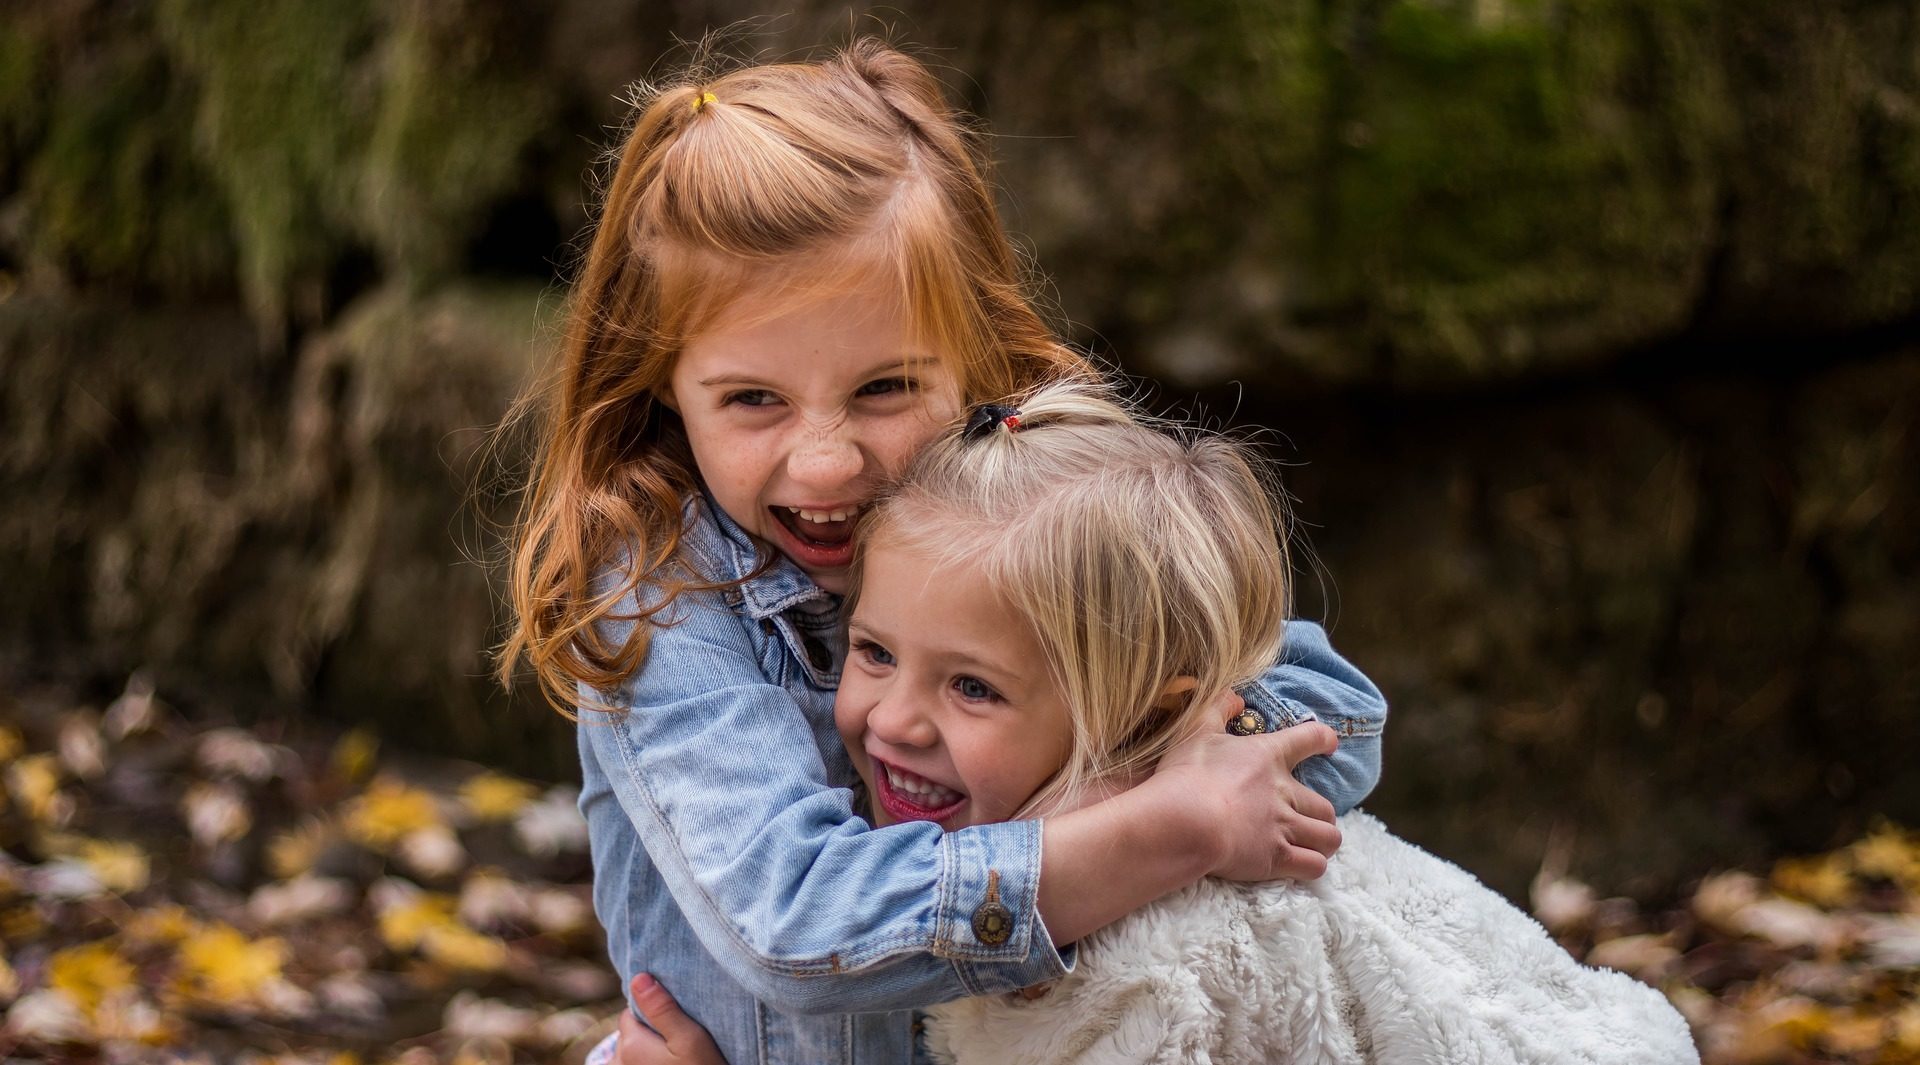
(780, 587)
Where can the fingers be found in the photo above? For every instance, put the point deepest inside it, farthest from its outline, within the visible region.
(1320, 837)
(1301, 742)
(1314, 805)
(679, 1037)
(638, 1044)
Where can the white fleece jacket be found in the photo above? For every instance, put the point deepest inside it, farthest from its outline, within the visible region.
(1395, 957)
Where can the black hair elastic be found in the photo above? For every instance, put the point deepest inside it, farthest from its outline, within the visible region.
(990, 416)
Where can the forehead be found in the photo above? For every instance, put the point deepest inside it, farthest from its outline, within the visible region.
(940, 605)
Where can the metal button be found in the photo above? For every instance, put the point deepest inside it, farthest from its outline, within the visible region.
(1249, 723)
(992, 922)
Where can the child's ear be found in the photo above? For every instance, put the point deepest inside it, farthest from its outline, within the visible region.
(1175, 694)
(664, 394)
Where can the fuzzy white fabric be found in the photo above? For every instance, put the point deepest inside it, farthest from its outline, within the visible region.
(1394, 957)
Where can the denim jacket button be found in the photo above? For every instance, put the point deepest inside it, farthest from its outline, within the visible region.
(992, 922)
(1249, 723)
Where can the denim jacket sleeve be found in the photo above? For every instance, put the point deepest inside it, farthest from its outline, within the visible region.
(718, 771)
(1311, 682)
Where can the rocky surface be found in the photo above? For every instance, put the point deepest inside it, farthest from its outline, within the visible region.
(1594, 321)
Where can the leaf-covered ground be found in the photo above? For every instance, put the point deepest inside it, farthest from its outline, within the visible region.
(191, 892)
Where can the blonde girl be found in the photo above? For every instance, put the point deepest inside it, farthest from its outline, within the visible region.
(797, 277)
(1037, 614)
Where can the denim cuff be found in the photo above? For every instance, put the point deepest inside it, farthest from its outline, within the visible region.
(973, 858)
(1281, 712)
(989, 897)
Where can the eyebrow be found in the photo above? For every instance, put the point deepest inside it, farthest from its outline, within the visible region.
(905, 363)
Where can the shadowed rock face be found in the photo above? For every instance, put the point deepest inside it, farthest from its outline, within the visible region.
(1548, 295)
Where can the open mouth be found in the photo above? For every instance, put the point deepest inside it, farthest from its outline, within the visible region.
(819, 538)
(909, 797)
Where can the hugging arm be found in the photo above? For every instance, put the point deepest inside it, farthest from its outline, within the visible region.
(719, 775)
(1311, 682)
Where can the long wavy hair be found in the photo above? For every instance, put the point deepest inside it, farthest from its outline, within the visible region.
(1141, 552)
(721, 183)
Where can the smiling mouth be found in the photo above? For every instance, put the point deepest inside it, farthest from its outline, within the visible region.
(818, 528)
(909, 797)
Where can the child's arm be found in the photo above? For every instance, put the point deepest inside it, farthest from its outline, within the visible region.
(1311, 682)
(717, 773)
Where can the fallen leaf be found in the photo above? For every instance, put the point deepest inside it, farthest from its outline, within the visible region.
(123, 868)
(48, 1017)
(387, 811)
(1645, 956)
(301, 899)
(458, 947)
(86, 974)
(295, 851)
(216, 812)
(219, 964)
(134, 711)
(34, 782)
(553, 824)
(496, 797)
(468, 1016)
(235, 752)
(81, 748)
(433, 852)
(354, 756)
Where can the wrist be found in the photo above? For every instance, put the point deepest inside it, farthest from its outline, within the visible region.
(1182, 829)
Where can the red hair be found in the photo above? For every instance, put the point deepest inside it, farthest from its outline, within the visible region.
(719, 182)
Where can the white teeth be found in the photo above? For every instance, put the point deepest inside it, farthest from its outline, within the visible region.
(924, 792)
(821, 517)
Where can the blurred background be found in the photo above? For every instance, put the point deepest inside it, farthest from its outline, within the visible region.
(1590, 330)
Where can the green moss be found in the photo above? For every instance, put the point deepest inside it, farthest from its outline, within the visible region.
(283, 95)
(458, 110)
(110, 194)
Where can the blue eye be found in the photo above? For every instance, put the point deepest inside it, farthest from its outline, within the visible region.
(974, 689)
(873, 652)
(751, 397)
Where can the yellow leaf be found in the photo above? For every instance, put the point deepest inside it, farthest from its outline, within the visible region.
(387, 811)
(344, 1057)
(88, 973)
(34, 782)
(403, 926)
(224, 966)
(11, 744)
(353, 757)
(459, 947)
(1823, 881)
(160, 926)
(1888, 852)
(496, 797)
(295, 852)
(121, 867)
(9, 981)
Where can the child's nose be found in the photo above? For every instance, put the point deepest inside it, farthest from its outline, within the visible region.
(897, 720)
(824, 462)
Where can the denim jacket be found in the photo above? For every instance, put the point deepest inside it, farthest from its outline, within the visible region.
(729, 860)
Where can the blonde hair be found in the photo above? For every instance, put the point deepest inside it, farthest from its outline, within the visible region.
(857, 160)
(1140, 551)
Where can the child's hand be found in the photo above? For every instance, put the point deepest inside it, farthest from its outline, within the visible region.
(674, 1037)
(1266, 824)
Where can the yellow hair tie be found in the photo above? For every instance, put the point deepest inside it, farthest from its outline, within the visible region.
(701, 101)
